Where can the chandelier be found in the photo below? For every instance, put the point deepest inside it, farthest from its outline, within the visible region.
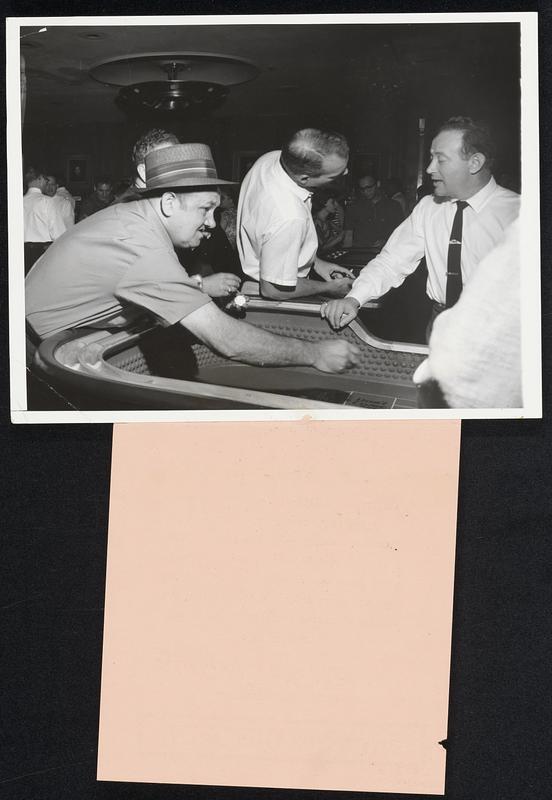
(171, 83)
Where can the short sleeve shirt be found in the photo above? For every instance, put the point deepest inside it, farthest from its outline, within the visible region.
(107, 268)
(276, 237)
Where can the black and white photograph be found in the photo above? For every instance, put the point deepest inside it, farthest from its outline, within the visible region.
(267, 217)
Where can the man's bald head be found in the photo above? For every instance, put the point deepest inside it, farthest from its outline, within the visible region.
(315, 158)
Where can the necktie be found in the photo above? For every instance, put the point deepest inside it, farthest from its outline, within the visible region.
(454, 266)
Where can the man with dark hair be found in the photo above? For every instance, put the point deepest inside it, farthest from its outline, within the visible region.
(121, 262)
(102, 197)
(154, 139)
(42, 220)
(454, 228)
(476, 137)
(277, 240)
(370, 219)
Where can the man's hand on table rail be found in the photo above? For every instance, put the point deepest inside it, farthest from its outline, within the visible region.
(337, 287)
(340, 313)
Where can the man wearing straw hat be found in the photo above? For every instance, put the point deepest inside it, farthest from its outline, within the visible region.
(121, 262)
(214, 259)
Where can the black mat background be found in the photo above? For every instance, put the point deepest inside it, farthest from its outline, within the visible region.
(54, 484)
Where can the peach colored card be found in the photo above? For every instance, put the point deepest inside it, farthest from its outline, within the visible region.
(279, 603)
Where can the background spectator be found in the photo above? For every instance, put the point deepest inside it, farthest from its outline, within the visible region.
(325, 211)
(102, 197)
(394, 191)
(42, 220)
(372, 217)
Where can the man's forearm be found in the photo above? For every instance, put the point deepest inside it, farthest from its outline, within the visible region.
(255, 346)
(240, 341)
(376, 279)
(304, 288)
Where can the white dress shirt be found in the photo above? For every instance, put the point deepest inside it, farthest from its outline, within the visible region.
(276, 237)
(42, 221)
(66, 205)
(475, 346)
(426, 232)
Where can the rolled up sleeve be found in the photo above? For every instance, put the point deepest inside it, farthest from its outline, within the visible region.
(280, 250)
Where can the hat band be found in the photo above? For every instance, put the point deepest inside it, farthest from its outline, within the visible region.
(196, 168)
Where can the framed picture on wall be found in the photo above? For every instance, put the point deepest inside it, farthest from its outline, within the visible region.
(78, 170)
(242, 162)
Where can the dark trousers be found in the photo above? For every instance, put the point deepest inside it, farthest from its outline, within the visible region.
(437, 309)
(33, 251)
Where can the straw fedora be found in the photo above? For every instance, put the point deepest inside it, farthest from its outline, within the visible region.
(181, 166)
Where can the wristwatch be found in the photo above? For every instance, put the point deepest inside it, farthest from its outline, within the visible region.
(199, 280)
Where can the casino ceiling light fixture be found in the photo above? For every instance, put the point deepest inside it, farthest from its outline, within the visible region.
(185, 82)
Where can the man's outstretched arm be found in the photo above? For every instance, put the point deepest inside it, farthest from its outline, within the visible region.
(279, 263)
(240, 341)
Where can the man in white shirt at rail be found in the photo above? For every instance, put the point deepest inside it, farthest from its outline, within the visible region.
(276, 237)
(455, 228)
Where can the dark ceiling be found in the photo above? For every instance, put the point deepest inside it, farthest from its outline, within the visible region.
(302, 67)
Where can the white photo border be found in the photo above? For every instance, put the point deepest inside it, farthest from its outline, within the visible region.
(529, 218)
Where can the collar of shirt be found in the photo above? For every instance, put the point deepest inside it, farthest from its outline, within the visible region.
(478, 200)
(34, 190)
(281, 175)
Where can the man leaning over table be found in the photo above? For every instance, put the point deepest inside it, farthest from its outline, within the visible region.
(277, 240)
